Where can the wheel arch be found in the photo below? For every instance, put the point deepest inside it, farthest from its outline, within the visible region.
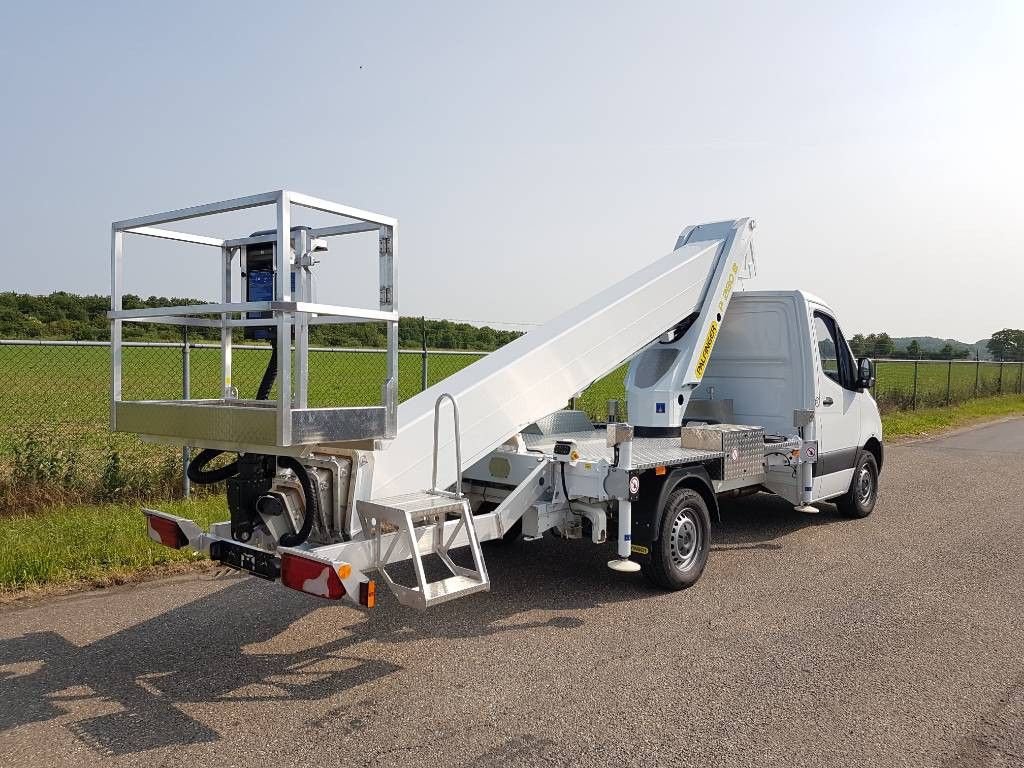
(655, 490)
(874, 447)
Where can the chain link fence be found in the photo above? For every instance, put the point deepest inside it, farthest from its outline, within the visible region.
(904, 385)
(55, 443)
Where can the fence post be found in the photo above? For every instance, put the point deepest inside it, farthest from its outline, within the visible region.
(913, 397)
(949, 380)
(423, 357)
(977, 370)
(186, 387)
(1000, 378)
(1020, 379)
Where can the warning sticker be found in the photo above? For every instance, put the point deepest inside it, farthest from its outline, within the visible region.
(809, 451)
(705, 352)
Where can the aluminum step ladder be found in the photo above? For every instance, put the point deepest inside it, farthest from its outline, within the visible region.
(420, 520)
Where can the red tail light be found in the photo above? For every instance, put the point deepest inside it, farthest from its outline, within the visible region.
(312, 576)
(166, 532)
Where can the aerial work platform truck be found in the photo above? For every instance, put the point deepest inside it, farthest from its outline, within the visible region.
(728, 392)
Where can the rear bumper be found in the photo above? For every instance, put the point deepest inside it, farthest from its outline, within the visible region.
(348, 580)
(265, 565)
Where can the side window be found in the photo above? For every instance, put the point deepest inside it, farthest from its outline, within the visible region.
(836, 360)
(847, 365)
(826, 348)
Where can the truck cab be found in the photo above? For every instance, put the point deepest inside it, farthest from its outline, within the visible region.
(781, 352)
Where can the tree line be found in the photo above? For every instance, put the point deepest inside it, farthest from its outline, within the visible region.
(68, 316)
(882, 345)
(1007, 344)
(63, 315)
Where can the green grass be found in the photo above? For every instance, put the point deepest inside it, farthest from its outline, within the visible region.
(966, 379)
(63, 391)
(101, 544)
(59, 396)
(92, 544)
(70, 386)
(894, 390)
(56, 399)
(595, 399)
(929, 420)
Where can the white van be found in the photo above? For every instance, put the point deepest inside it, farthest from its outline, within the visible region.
(776, 354)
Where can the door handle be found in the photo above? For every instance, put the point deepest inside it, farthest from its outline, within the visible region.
(827, 401)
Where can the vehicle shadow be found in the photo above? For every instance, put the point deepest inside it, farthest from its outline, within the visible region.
(760, 521)
(203, 651)
(207, 650)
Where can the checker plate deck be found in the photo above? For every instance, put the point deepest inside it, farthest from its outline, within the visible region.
(647, 451)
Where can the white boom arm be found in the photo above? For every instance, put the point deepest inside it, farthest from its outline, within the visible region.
(537, 373)
(661, 380)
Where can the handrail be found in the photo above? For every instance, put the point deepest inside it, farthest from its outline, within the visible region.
(151, 313)
(458, 446)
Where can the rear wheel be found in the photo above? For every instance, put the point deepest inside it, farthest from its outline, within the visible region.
(859, 501)
(678, 557)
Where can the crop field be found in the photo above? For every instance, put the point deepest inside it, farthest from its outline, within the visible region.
(53, 426)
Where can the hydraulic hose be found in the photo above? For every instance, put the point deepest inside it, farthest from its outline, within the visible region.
(201, 476)
(312, 503)
(270, 374)
(196, 472)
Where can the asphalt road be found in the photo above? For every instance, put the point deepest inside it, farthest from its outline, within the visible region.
(810, 640)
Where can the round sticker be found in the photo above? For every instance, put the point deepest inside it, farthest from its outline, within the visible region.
(634, 484)
(735, 454)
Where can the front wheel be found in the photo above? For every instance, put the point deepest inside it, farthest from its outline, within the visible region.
(859, 501)
(678, 557)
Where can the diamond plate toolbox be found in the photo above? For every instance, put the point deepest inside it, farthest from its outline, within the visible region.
(742, 446)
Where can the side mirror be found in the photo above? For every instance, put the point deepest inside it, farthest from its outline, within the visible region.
(865, 373)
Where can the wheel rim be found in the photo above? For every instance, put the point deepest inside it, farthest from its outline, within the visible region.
(865, 485)
(684, 539)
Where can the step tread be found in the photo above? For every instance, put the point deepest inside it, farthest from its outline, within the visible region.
(419, 504)
(452, 587)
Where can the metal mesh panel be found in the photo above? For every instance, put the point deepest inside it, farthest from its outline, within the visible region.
(911, 384)
(57, 401)
(57, 394)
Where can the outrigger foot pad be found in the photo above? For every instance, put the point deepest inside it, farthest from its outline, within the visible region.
(807, 508)
(624, 566)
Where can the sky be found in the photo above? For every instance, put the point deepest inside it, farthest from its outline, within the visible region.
(534, 153)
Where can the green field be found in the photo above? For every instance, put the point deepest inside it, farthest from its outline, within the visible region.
(55, 446)
(964, 379)
(69, 489)
(101, 544)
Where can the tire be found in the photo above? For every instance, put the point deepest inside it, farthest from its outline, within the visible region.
(860, 500)
(678, 557)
